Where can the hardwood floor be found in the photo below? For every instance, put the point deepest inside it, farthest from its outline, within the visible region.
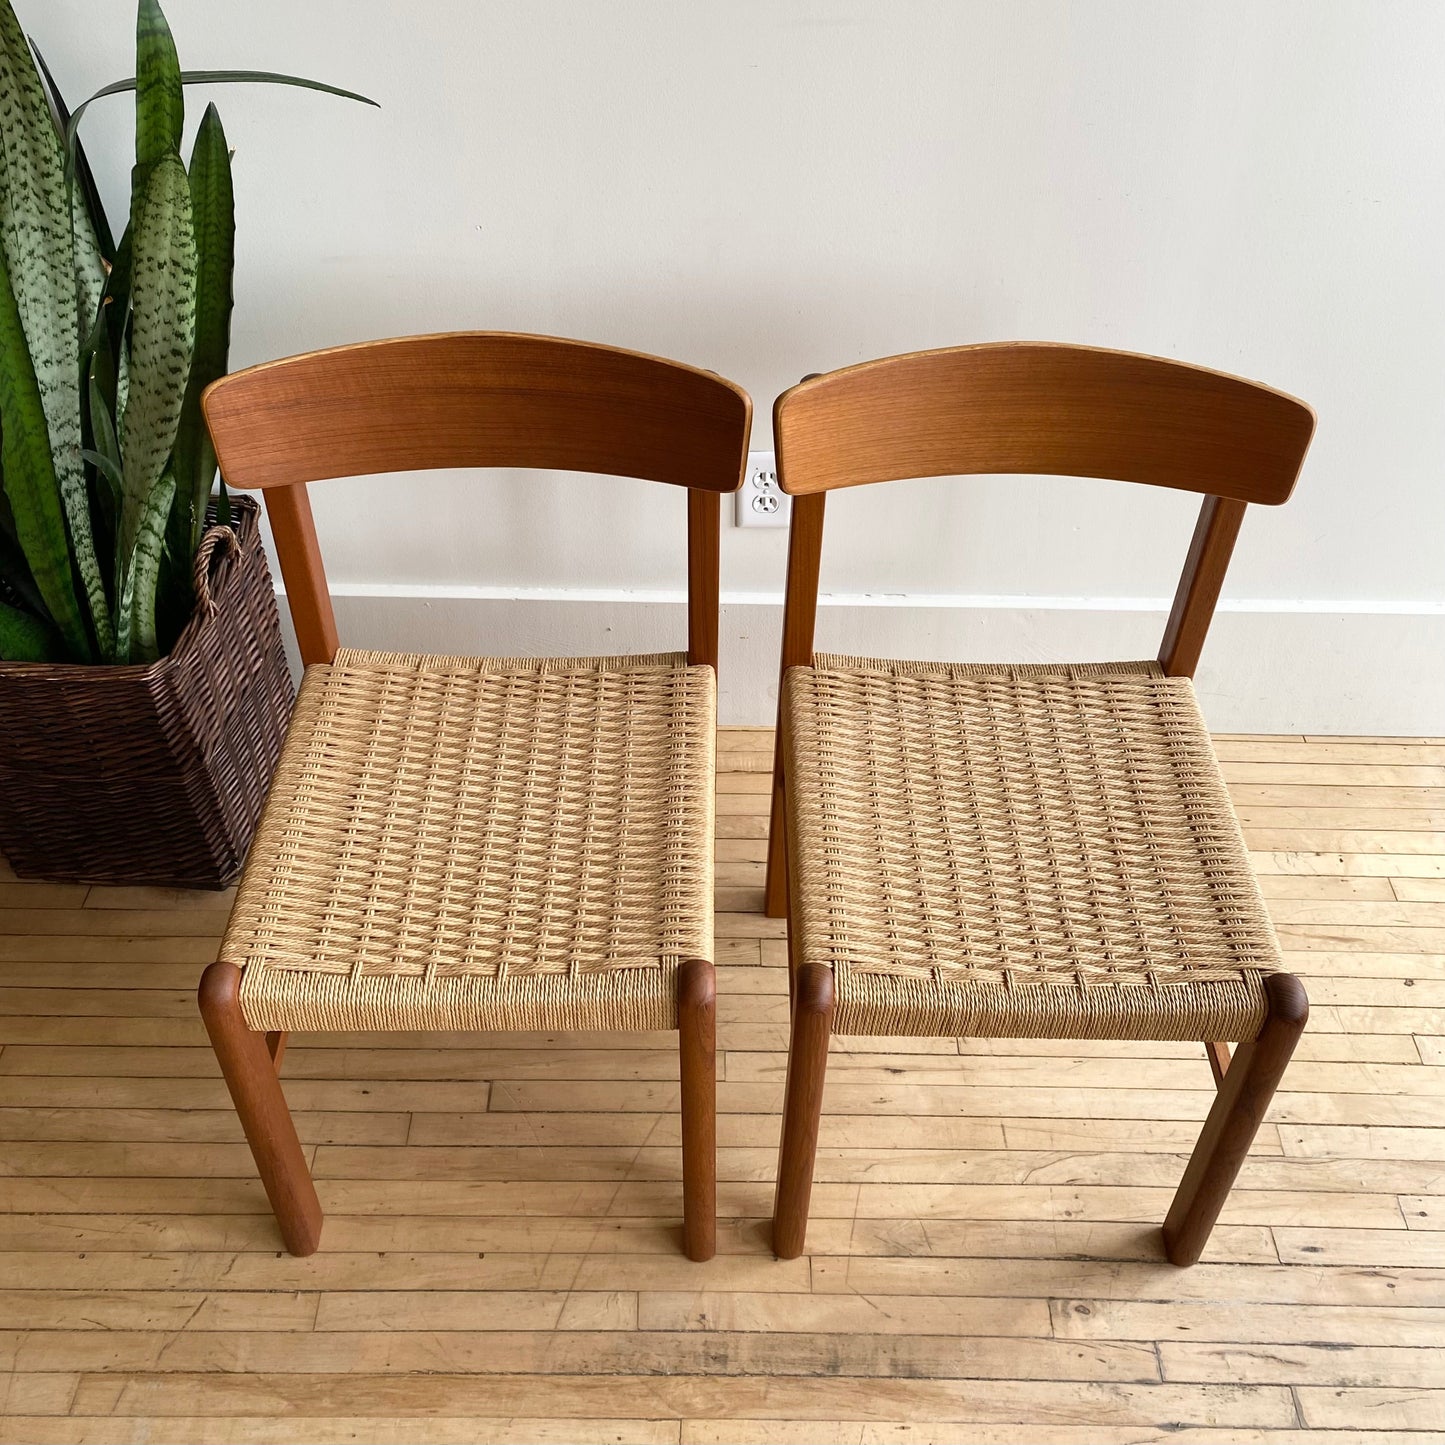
(501, 1257)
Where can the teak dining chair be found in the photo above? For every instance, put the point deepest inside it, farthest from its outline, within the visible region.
(1025, 851)
(473, 843)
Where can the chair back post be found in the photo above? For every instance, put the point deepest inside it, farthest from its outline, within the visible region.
(299, 553)
(800, 617)
(805, 555)
(704, 510)
(1200, 584)
(800, 595)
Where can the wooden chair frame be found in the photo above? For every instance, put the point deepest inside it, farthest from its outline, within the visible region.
(1029, 407)
(470, 399)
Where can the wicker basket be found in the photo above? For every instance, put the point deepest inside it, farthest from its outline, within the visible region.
(153, 774)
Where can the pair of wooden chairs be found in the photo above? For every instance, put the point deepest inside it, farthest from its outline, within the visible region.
(527, 844)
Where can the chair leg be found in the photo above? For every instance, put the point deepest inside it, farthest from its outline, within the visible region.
(250, 1074)
(276, 1046)
(1239, 1108)
(775, 895)
(802, 1107)
(697, 1040)
(1218, 1060)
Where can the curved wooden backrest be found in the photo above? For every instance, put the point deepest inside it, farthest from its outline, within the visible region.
(478, 399)
(1046, 409)
(1035, 407)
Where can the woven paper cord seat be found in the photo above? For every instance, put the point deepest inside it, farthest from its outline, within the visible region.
(482, 843)
(1018, 851)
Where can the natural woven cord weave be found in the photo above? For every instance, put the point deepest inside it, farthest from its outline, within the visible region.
(1018, 851)
(482, 843)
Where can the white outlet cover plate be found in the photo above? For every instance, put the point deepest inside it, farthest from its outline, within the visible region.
(761, 502)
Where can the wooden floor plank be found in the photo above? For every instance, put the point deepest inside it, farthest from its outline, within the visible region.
(587, 1352)
(1375, 1409)
(867, 1432)
(1389, 1366)
(1390, 866)
(302, 1397)
(107, 1429)
(1236, 1323)
(1419, 889)
(1255, 1282)
(843, 1314)
(116, 1309)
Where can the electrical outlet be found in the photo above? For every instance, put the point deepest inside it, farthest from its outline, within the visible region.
(762, 502)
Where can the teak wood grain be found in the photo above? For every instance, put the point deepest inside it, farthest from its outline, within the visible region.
(250, 1069)
(1245, 1091)
(800, 619)
(703, 576)
(298, 552)
(812, 1008)
(477, 399)
(1199, 585)
(1041, 408)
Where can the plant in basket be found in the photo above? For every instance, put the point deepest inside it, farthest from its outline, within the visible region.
(143, 692)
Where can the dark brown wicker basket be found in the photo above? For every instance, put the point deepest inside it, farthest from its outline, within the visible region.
(153, 774)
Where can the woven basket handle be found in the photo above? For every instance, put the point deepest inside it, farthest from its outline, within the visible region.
(205, 555)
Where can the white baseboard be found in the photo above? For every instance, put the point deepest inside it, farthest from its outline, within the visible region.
(1318, 667)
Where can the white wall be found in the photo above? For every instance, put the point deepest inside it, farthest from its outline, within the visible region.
(770, 187)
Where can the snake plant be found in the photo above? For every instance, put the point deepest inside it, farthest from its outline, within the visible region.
(106, 468)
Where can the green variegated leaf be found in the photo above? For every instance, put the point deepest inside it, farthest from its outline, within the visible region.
(144, 571)
(214, 209)
(90, 266)
(89, 228)
(35, 231)
(160, 113)
(97, 374)
(84, 176)
(98, 391)
(163, 301)
(35, 234)
(24, 638)
(29, 474)
(117, 299)
(160, 106)
(122, 369)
